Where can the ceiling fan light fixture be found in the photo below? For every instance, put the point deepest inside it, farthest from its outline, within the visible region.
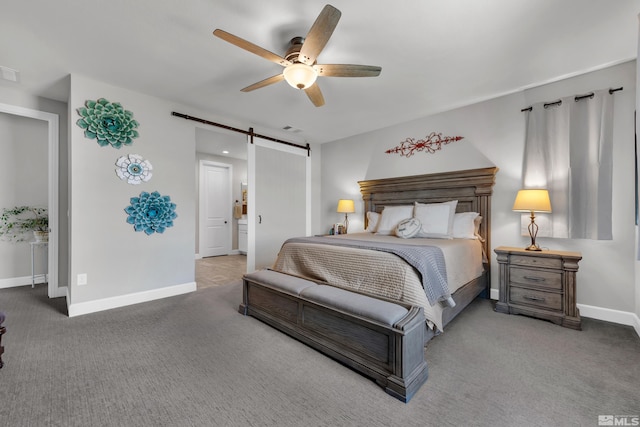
(299, 75)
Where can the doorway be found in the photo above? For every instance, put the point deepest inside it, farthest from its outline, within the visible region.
(52, 146)
(281, 201)
(215, 208)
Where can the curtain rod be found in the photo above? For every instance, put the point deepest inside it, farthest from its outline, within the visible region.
(577, 98)
(250, 132)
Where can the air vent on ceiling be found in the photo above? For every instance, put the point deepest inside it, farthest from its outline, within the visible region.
(291, 129)
(9, 74)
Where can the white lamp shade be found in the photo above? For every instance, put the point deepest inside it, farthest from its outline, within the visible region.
(532, 201)
(346, 206)
(299, 75)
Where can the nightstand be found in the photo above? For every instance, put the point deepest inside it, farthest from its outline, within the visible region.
(539, 284)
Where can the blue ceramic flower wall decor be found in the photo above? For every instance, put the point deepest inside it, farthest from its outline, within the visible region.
(151, 213)
(108, 123)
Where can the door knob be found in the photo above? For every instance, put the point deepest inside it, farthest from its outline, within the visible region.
(259, 219)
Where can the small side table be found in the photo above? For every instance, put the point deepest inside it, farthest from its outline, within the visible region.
(540, 284)
(33, 248)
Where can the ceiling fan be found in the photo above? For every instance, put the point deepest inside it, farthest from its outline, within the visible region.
(299, 62)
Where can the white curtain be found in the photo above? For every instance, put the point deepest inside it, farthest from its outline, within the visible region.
(568, 150)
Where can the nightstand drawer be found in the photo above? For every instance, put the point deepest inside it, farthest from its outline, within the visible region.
(541, 278)
(546, 300)
(531, 261)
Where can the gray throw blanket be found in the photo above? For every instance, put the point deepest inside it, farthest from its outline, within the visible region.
(427, 260)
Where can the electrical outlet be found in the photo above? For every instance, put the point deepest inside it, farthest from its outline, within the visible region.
(82, 279)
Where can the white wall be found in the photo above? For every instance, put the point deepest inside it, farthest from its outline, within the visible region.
(124, 266)
(493, 134)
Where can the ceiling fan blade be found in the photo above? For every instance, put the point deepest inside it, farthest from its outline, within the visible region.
(319, 34)
(315, 95)
(266, 82)
(246, 45)
(347, 70)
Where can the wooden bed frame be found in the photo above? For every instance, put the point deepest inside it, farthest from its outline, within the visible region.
(391, 351)
(471, 188)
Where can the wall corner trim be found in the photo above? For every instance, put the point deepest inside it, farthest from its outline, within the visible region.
(79, 309)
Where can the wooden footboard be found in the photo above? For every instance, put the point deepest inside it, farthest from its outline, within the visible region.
(379, 338)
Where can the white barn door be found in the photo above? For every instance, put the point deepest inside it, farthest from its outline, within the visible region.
(279, 204)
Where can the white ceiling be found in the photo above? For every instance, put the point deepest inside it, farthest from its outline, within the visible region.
(435, 55)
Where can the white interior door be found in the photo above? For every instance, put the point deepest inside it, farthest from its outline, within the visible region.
(215, 209)
(279, 199)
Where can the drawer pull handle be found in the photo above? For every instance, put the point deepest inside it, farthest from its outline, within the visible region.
(530, 298)
(535, 279)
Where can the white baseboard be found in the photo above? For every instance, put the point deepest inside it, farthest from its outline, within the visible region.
(13, 282)
(81, 308)
(609, 315)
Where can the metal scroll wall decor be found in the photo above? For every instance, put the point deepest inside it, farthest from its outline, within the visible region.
(108, 123)
(432, 143)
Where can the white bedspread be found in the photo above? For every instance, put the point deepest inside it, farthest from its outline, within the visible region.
(382, 273)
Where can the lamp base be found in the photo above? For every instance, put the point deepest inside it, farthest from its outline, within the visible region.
(532, 247)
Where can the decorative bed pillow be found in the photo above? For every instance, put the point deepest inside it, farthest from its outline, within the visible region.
(464, 225)
(436, 219)
(391, 217)
(407, 228)
(372, 221)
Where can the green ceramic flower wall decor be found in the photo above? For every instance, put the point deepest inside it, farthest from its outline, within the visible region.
(108, 123)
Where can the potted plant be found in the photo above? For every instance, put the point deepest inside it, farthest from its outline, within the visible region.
(16, 221)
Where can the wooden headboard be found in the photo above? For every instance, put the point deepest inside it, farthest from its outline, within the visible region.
(471, 188)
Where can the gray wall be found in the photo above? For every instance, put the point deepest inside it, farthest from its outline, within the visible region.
(493, 134)
(117, 260)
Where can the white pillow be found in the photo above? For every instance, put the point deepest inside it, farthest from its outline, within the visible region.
(391, 217)
(436, 219)
(407, 228)
(464, 225)
(372, 221)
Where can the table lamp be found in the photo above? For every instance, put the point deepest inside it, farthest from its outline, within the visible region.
(346, 206)
(532, 201)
